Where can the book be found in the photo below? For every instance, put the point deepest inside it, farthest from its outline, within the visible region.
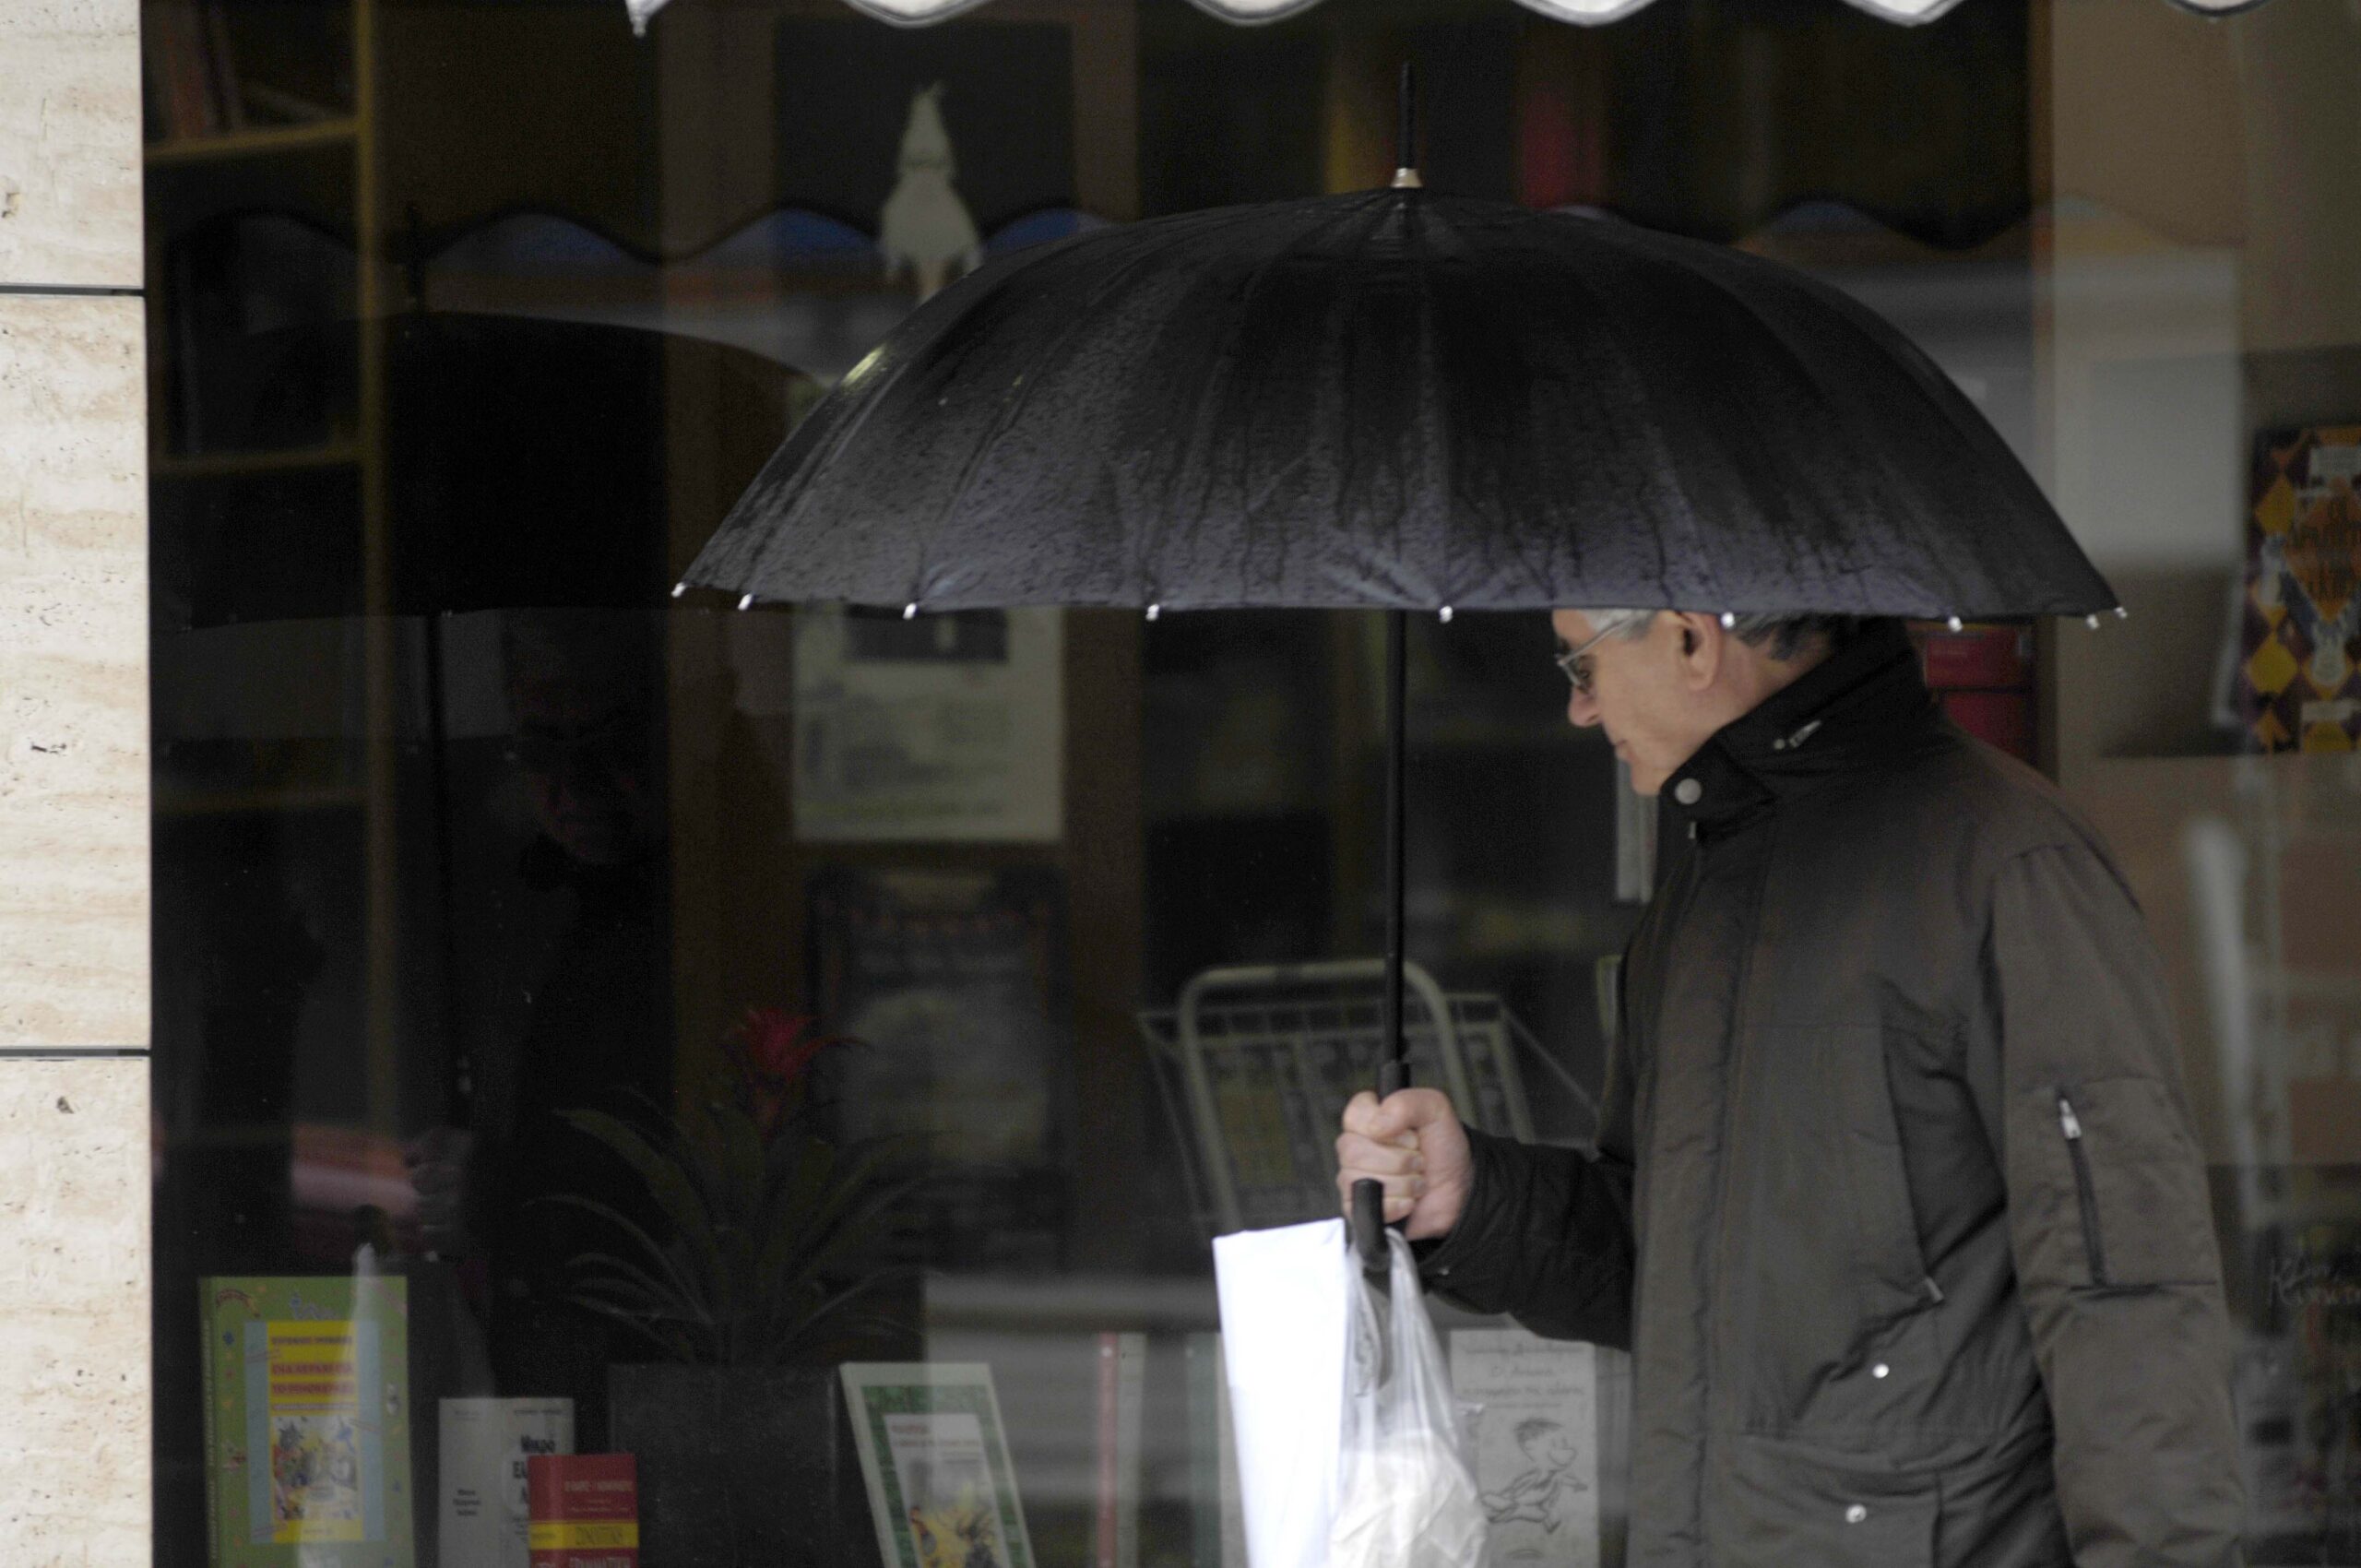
(484, 1447)
(2298, 678)
(584, 1510)
(934, 1456)
(1123, 1387)
(307, 1421)
(1983, 678)
(1535, 1424)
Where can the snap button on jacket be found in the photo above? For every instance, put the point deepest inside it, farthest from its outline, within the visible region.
(1894, 1201)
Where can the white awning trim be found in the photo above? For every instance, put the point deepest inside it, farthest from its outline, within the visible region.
(1254, 12)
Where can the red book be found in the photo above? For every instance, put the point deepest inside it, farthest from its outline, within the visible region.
(1998, 719)
(582, 1510)
(1977, 657)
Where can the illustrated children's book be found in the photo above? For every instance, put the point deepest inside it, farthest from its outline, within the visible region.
(1532, 1407)
(940, 1488)
(307, 1422)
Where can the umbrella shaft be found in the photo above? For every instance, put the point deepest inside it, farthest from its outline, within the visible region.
(1394, 1071)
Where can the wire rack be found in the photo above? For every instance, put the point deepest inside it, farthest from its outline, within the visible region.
(1256, 1064)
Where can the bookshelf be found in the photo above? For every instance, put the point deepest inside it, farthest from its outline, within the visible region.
(264, 226)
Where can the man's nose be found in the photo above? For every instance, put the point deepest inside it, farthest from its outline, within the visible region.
(1582, 709)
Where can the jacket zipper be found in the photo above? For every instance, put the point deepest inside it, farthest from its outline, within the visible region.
(2071, 1127)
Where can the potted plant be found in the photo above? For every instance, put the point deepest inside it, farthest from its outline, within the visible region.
(756, 1276)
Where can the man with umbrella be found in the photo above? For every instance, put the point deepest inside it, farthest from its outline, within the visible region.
(1895, 1200)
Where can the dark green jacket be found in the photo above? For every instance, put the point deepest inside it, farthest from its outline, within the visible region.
(1895, 1201)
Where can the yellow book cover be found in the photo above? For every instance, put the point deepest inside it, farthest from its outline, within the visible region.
(307, 1422)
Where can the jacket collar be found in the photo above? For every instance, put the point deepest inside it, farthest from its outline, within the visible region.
(1860, 703)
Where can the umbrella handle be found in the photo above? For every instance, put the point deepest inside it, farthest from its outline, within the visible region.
(1368, 1197)
(1368, 1225)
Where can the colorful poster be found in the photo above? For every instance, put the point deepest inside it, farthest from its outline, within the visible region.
(942, 1490)
(2299, 674)
(307, 1421)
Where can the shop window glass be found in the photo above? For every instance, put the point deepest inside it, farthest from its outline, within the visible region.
(486, 870)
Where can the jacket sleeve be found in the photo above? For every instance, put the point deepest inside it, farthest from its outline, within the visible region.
(2076, 1080)
(1547, 1233)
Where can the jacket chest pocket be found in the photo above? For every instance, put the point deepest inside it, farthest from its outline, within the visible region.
(1871, 1180)
(1825, 1310)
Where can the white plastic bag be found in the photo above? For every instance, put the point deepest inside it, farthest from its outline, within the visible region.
(1284, 1312)
(1404, 1498)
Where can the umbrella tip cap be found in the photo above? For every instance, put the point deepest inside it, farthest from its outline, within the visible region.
(679, 588)
(1153, 611)
(1955, 623)
(2121, 613)
(1729, 619)
(1443, 614)
(910, 610)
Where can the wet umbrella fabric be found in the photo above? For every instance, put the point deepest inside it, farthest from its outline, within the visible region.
(1399, 400)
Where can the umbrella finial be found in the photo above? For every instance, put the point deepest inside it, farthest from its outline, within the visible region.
(747, 602)
(679, 590)
(1406, 135)
(1153, 611)
(910, 610)
(1955, 623)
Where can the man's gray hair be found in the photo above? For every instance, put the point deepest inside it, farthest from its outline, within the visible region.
(1784, 634)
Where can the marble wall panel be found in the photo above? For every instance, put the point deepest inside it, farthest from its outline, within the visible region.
(73, 673)
(69, 143)
(74, 1313)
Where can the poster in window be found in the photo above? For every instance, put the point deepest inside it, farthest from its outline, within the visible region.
(2298, 680)
(954, 986)
(945, 727)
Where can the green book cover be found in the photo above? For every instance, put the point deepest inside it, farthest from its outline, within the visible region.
(932, 1451)
(307, 1421)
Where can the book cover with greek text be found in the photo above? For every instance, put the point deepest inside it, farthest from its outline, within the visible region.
(307, 1421)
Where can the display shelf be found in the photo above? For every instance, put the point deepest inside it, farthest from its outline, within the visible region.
(181, 152)
(239, 465)
(235, 802)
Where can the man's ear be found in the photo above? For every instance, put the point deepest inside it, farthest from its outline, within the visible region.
(1702, 645)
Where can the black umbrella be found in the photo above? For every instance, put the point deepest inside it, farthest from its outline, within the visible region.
(1401, 400)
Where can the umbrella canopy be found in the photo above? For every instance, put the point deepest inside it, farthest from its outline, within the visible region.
(1404, 400)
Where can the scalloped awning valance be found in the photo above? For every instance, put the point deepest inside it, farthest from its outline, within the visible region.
(1248, 13)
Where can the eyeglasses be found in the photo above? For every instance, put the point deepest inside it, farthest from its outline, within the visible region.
(1575, 661)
